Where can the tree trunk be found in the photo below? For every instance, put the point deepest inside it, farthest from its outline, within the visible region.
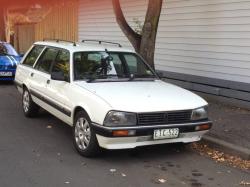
(149, 31)
(133, 37)
(144, 44)
(2, 25)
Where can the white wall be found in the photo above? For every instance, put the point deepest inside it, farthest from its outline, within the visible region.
(97, 19)
(197, 37)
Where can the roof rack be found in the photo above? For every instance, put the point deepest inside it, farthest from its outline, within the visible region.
(59, 40)
(101, 41)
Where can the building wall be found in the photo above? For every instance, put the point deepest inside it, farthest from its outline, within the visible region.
(97, 19)
(60, 23)
(24, 37)
(195, 37)
(205, 38)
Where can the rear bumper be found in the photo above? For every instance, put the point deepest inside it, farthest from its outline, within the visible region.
(144, 135)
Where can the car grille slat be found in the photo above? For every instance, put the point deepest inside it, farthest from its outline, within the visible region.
(164, 118)
(7, 67)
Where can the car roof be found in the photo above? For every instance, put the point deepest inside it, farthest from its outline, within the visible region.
(87, 46)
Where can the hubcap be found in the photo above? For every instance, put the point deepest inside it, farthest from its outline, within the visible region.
(82, 133)
(26, 100)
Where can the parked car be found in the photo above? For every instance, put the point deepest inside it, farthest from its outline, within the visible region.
(9, 59)
(109, 95)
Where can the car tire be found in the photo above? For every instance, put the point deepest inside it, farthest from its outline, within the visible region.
(84, 137)
(30, 108)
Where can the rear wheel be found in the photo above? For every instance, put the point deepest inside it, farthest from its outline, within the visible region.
(84, 137)
(30, 109)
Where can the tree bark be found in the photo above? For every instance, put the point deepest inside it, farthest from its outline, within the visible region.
(149, 31)
(144, 44)
(133, 37)
(2, 24)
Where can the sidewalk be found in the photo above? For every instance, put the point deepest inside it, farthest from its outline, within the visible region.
(231, 128)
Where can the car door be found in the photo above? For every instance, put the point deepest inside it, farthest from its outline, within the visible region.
(57, 90)
(41, 74)
(25, 69)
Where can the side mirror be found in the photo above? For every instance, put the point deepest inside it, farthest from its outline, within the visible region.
(58, 76)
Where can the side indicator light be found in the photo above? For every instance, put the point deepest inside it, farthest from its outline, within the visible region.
(120, 133)
(203, 127)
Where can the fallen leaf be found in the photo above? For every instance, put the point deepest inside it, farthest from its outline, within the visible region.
(49, 127)
(162, 180)
(221, 157)
(244, 183)
(83, 163)
(123, 174)
(112, 170)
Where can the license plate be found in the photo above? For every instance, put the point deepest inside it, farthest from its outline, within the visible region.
(166, 133)
(5, 74)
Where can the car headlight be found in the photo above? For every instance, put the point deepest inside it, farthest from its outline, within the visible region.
(199, 113)
(116, 118)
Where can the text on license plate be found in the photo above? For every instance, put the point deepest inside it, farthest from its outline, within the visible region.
(5, 74)
(166, 133)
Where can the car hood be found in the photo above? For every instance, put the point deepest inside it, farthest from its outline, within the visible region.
(9, 60)
(144, 96)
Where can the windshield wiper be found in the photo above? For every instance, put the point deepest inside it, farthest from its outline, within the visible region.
(93, 78)
(140, 76)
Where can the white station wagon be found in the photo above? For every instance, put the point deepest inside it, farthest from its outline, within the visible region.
(109, 95)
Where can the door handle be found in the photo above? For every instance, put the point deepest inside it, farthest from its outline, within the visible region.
(48, 81)
(32, 74)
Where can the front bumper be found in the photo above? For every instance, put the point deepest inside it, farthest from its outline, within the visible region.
(144, 135)
(8, 78)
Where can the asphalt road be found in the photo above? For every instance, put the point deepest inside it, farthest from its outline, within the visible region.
(33, 155)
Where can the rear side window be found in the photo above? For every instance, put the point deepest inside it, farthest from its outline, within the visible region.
(46, 60)
(62, 63)
(32, 56)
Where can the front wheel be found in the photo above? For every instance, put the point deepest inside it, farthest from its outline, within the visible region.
(84, 137)
(30, 108)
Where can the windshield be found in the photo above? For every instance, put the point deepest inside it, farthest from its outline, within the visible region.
(7, 49)
(110, 66)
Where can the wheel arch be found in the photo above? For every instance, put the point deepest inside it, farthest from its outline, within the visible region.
(78, 109)
(24, 86)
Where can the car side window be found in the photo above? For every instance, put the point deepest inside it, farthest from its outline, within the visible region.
(62, 63)
(46, 60)
(33, 55)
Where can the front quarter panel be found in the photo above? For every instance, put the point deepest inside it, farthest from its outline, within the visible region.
(96, 107)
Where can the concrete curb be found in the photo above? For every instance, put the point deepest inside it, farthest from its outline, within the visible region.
(227, 147)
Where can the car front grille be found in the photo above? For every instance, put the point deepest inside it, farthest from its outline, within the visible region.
(8, 67)
(174, 117)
